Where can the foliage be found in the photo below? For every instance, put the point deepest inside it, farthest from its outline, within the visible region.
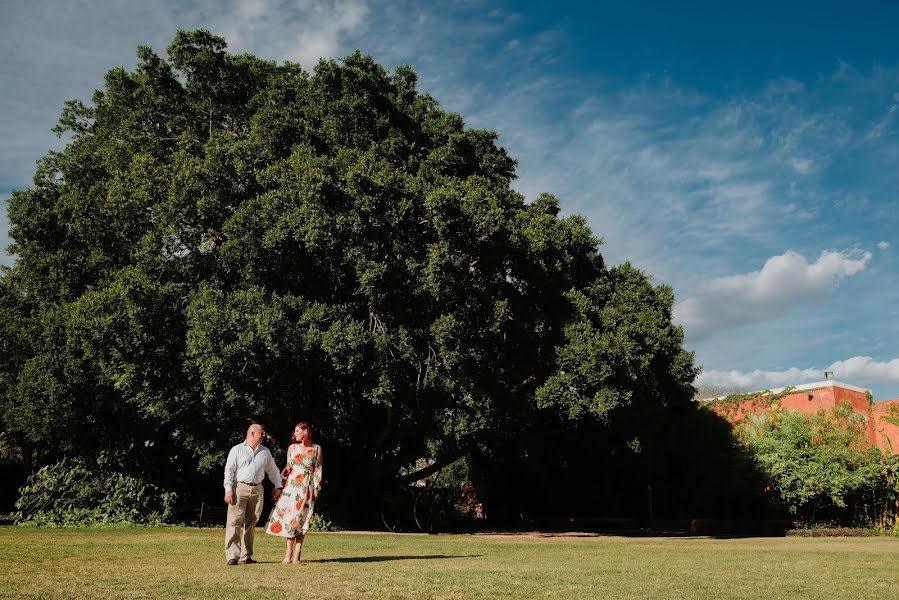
(883, 509)
(735, 399)
(73, 492)
(827, 531)
(321, 523)
(226, 239)
(892, 414)
(817, 465)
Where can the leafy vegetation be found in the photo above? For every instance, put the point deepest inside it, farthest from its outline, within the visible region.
(225, 239)
(819, 467)
(825, 531)
(72, 492)
(757, 400)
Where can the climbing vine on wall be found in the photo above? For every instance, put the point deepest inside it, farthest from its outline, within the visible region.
(756, 400)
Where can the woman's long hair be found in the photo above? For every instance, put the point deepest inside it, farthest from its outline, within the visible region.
(293, 436)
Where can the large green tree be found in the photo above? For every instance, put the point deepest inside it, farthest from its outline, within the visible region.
(226, 239)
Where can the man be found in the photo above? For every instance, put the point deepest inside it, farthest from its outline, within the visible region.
(248, 464)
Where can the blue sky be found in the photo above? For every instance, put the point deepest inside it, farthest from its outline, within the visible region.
(746, 156)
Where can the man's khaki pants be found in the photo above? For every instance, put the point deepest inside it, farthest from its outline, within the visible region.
(244, 513)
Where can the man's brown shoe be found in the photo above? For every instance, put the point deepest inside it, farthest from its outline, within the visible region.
(249, 561)
(232, 561)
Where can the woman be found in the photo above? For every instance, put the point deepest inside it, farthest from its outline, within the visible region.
(302, 480)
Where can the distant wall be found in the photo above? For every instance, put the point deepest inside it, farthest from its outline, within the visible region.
(879, 432)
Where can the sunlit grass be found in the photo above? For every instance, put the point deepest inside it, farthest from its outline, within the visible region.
(189, 563)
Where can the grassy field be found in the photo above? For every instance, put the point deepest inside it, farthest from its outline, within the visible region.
(189, 563)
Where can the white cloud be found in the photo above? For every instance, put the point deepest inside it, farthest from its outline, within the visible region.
(783, 282)
(302, 31)
(803, 166)
(883, 245)
(883, 126)
(866, 370)
(251, 9)
(863, 371)
(752, 381)
(655, 166)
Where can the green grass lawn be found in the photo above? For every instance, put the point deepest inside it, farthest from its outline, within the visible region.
(189, 563)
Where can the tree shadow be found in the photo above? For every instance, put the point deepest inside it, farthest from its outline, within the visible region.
(735, 530)
(365, 559)
(676, 472)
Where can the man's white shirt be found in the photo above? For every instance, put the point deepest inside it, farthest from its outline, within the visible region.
(249, 466)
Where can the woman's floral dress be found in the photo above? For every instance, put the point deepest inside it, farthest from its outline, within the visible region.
(301, 479)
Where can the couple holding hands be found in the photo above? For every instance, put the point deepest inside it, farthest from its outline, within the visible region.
(296, 491)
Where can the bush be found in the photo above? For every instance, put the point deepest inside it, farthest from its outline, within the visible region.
(833, 532)
(819, 467)
(73, 492)
(320, 523)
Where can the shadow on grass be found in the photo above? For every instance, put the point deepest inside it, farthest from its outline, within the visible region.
(365, 559)
(679, 528)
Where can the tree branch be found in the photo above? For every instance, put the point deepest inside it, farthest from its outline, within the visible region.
(443, 461)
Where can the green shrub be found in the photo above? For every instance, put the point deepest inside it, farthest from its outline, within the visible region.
(73, 492)
(833, 532)
(320, 523)
(819, 467)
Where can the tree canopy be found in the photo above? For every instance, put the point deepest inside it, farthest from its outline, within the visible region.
(226, 239)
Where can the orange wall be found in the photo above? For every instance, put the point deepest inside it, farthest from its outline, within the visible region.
(886, 434)
(879, 432)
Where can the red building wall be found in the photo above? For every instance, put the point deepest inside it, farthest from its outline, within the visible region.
(826, 396)
(886, 433)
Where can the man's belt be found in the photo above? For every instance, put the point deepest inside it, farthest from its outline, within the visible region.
(248, 483)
